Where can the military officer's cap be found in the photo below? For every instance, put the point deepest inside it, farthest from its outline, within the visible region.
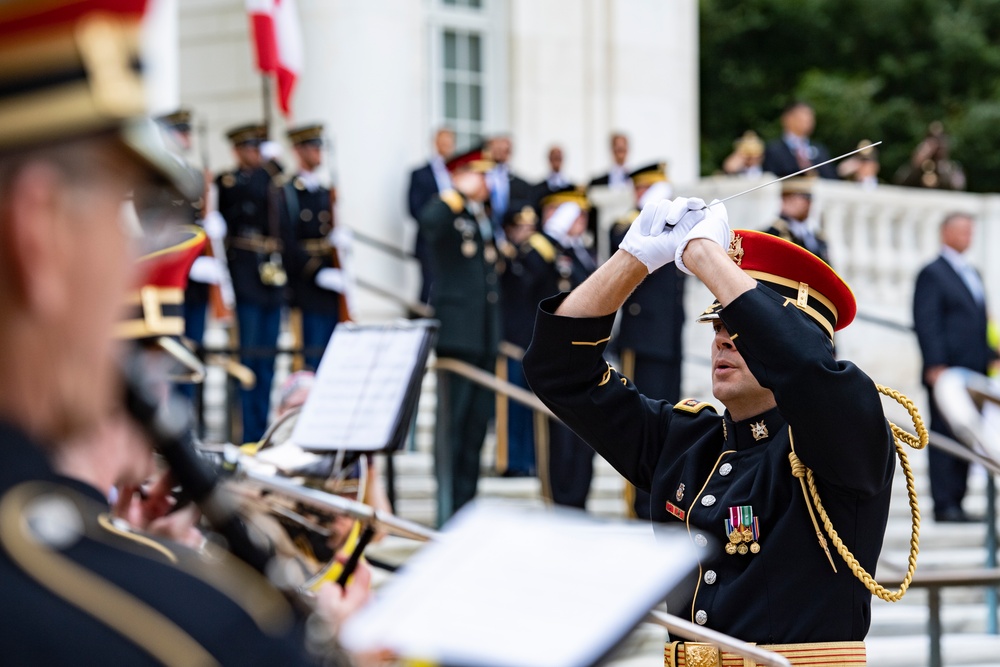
(806, 281)
(750, 144)
(520, 212)
(71, 69)
(306, 134)
(798, 186)
(868, 152)
(477, 159)
(566, 194)
(252, 134)
(179, 120)
(651, 173)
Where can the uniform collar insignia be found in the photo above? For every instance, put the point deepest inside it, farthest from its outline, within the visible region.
(759, 430)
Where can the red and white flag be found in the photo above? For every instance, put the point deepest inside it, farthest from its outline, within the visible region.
(277, 38)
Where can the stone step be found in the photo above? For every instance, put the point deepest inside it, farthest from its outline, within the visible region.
(970, 650)
(910, 616)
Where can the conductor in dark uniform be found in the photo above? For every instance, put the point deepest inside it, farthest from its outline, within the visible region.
(77, 588)
(316, 285)
(254, 251)
(466, 300)
(728, 479)
(795, 150)
(949, 314)
(650, 340)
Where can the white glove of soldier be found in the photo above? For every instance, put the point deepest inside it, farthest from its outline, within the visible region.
(340, 238)
(330, 279)
(215, 225)
(654, 236)
(561, 221)
(715, 227)
(206, 270)
(270, 150)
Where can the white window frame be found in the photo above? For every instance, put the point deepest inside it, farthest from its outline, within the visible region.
(490, 22)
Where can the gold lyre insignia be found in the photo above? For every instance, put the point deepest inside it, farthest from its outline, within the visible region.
(736, 248)
(701, 655)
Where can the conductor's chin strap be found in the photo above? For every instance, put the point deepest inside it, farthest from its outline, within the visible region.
(806, 478)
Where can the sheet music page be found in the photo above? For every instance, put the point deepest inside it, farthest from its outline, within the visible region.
(512, 587)
(360, 387)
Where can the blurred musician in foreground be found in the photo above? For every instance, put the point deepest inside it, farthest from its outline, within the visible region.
(728, 477)
(112, 596)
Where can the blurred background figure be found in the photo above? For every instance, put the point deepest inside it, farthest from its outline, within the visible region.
(316, 284)
(425, 182)
(617, 175)
(794, 223)
(747, 156)
(504, 185)
(930, 165)
(652, 318)
(253, 240)
(555, 180)
(795, 150)
(949, 314)
(863, 167)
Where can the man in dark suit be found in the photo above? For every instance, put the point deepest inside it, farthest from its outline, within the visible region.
(949, 313)
(794, 151)
(503, 184)
(317, 286)
(466, 300)
(426, 182)
(616, 177)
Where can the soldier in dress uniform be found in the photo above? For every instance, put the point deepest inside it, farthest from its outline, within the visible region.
(77, 587)
(465, 299)
(652, 318)
(317, 285)
(729, 479)
(793, 221)
(254, 253)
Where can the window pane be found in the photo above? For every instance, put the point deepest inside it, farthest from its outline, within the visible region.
(450, 100)
(450, 50)
(475, 3)
(475, 53)
(475, 102)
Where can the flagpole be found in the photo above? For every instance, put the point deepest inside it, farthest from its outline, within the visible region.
(265, 81)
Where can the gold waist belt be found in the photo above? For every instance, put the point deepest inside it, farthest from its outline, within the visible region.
(818, 654)
(316, 247)
(261, 244)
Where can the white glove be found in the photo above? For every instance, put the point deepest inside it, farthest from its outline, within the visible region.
(715, 227)
(206, 270)
(654, 236)
(330, 279)
(270, 150)
(215, 225)
(561, 221)
(340, 238)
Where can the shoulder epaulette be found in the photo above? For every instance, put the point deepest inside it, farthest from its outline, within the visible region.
(693, 405)
(781, 226)
(453, 199)
(542, 246)
(227, 179)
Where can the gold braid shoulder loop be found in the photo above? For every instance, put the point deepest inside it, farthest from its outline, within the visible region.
(807, 479)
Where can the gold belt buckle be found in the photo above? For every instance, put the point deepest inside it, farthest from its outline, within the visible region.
(698, 654)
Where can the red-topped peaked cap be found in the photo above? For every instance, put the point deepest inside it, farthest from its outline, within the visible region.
(477, 159)
(806, 281)
(156, 308)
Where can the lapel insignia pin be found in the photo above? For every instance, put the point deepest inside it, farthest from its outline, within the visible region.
(680, 492)
(759, 430)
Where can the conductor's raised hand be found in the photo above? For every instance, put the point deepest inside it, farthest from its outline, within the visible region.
(661, 226)
(714, 227)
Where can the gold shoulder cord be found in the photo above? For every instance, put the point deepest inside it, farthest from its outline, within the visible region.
(806, 477)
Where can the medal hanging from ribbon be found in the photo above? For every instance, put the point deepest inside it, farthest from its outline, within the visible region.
(743, 531)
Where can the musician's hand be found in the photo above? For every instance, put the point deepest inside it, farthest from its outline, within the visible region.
(214, 225)
(336, 604)
(340, 238)
(330, 279)
(715, 227)
(206, 270)
(654, 236)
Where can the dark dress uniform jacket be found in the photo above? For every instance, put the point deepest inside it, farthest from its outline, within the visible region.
(782, 229)
(780, 160)
(244, 202)
(52, 587)
(466, 289)
(702, 464)
(306, 220)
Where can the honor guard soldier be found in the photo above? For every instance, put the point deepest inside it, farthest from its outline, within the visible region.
(730, 480)
(652, 318)
(466, 296)
(253, 243)
(77, 587)
(317, 285)
(793, 222)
